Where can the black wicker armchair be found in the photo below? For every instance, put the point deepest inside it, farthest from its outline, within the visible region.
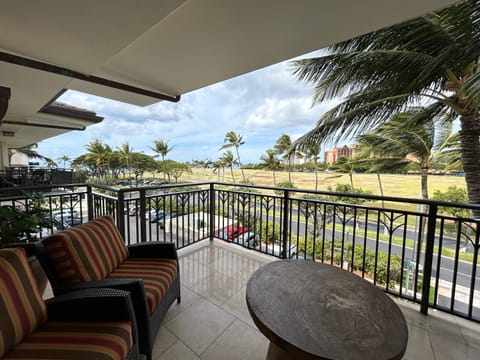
(93, 255)
(91, 323)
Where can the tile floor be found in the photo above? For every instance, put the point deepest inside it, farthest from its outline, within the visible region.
(212, 322)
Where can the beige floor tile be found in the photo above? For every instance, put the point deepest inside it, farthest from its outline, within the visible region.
(188, 298)
(199, 325)
(178, 351)
(470, 331)
(447, 348)
(237, 306)
(191, 272)
(218, 287)
(164, 340)
(419, 345)
(239, 341)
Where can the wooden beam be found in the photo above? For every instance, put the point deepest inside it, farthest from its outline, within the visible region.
(38, 65)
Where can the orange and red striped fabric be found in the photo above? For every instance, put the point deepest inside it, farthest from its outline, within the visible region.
(157, 276)
(76, 341)
(22, 308)
(86, 252)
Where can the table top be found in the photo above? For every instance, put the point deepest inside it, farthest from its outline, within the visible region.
(318, 311)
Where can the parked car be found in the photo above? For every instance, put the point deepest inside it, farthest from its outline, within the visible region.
(166, 216)
(231, 232)
(132, 210)
(66, 221)
(159, 216)
(59, 213)
(248, 239)
(276, 248)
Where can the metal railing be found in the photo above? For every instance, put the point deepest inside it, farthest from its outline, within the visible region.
(410, 248)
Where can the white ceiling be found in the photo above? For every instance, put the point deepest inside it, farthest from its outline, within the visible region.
(168, 46)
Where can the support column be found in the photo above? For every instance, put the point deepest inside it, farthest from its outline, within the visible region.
(3, 155)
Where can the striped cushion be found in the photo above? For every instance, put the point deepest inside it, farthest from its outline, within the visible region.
(86, 252)
(76, 340)
(22, 308)
(157, 275)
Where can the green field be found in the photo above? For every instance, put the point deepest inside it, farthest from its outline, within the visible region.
(406, 186)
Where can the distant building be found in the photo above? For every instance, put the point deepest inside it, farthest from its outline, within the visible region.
(348, 151)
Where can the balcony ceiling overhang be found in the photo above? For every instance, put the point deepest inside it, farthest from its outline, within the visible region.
(170, 47)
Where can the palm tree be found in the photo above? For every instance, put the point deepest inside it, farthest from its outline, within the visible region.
(30, 152)
(98, 153)
(162, 148)
(126, 153)
(432, 59)
(312, 152)
(227, 159)
(344, 165)
(270, 161)
(405, 139)
(64, 159)
(232, 139)
(283, 146)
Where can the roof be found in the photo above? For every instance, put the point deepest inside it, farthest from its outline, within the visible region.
(168, 47)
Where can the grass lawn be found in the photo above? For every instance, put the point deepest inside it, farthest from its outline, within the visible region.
(406, 186)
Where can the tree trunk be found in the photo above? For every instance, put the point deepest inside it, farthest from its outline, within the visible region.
(470, 140)
(380, 186)
(290, 170)
(350, 174)
(233, 177)
(274, 180)
(163, 167)
(316, 176)
(240, 164)
(424, 183)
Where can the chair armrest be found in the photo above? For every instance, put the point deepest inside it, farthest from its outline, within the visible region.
(91, 305)
(154, 249)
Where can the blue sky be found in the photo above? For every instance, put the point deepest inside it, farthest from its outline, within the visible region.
(261, 106)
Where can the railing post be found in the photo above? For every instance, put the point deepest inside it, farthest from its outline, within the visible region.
(211, 211)
(89, 202)
(286, 197)
(428, 263)
(121, 212)
(142, 213)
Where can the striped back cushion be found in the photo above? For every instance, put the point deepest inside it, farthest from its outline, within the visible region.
(22, 308)
(86, 252)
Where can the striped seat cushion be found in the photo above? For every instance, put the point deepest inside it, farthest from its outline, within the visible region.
(157, 276)
(76, 340)
(86, 252)
(22, 308)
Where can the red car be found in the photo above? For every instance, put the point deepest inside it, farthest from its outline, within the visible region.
(231, 232)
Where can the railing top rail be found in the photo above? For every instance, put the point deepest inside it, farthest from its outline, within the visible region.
(240, 185)
(358, 196)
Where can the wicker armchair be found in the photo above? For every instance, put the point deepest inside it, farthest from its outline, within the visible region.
(92, 323)
(94, 255)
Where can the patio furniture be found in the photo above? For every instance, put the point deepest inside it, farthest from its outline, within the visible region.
(88, 324)
(94, 255)
(310, 310)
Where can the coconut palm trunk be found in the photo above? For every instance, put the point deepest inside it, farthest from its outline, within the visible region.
(163, 167)
(470, 135)
(290, 169)
(240, 164)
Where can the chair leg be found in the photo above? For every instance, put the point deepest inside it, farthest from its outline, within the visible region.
(179, 299)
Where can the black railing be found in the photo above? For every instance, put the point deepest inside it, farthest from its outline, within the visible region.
(408, 247)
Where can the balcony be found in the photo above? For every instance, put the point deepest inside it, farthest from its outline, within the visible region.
(426, 260)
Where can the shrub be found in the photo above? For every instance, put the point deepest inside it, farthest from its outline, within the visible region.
(287, 185)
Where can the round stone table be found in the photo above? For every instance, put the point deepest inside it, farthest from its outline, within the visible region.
(310, 310)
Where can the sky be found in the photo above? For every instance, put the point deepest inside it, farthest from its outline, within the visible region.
(260, 106)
